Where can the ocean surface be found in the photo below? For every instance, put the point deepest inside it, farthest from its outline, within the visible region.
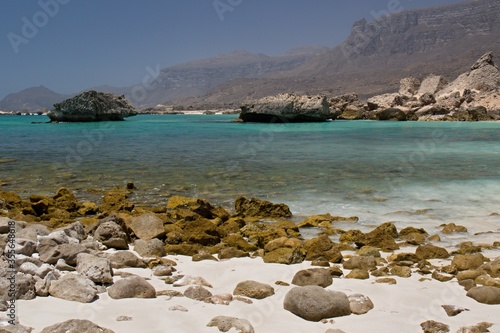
(411, 173)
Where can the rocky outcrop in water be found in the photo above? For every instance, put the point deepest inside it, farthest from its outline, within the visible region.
(285, 108)
(92, 106)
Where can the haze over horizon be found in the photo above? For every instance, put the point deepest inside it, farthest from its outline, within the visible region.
(69, 45)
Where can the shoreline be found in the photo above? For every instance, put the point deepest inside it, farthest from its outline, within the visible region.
(258, 242)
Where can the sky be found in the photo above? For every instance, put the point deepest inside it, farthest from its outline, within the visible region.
(72, 45)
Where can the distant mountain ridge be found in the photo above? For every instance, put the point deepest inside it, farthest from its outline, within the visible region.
(31, 99)
(443, 40)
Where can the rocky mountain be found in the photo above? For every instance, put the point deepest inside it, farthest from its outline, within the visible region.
(31, 99)
(377, 54)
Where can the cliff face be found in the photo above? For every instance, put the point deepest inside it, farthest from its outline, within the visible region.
(377, 54)
(420, 31)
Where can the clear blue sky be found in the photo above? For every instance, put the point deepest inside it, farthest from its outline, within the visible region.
(78, 44)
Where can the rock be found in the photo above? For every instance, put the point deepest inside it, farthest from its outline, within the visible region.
(391, 114)
(315, 303)
(204, 256)
(431, 252)
(478, 328)
(414, 238)
(432, 84)
(162, 270)
(465, 262)
(284, 108)
(24, 289)
(92, 106)
(484, 61)
(452, 228)
(322, 248)
(76, 326)
(178, 308)
(381, 237)
(200, 231)
(362, 262)
(124, 318)
(485, 295)
(24, 246)
(149, 248)
(441, 277)
(224, 324)
(147, 226)
(124, 259)
(192, 280)
(229, 252)
(96, 269)
(469, 274)
(223, 299)
(409, 86)
(63, 266)
(72, 287)
(32, 231)
(285, 255)
(50, 252)
(488, 281)
(361, 274)
(324, 221)
(360, 304)
(386, 280)
(368, 251)
(313, 277)
(116, 201)
(111, 234)
(453, 310)
(253, 289)
(432, 326)
(197, 293)
(198, 206)
(237, 241)
(132, 287)
(353, 114)
(260, 208)
(17, 328)
(401, 271)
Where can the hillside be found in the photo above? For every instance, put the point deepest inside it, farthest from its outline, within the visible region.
(442, 40)
(31, 99)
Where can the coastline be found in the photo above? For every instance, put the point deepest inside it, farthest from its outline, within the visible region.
(422, 285)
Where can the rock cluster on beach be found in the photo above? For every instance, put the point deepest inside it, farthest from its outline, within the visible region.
(92, 106)
(62, 248)
(473, 96)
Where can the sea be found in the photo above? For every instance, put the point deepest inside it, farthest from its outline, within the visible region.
(422, 174)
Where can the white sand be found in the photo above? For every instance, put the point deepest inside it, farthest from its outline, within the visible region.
(398, 308)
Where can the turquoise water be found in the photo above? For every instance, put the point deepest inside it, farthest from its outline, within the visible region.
(408, 172)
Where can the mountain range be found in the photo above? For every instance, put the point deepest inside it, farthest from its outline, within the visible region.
(442, 40)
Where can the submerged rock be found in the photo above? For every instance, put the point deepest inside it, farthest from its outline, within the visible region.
(92, 106)
(285, 108)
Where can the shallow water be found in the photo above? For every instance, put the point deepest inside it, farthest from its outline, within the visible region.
(407, 172)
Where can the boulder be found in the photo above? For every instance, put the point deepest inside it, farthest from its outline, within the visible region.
(132, 287)
(94, 268)
(200, 231)
(430, 251)
(409, 86)
(260, 208)
(315, 303)
(465, 262)
(322, 248)
(358, 273)
(432, 326)
(149, 248)
(452, 228)
(92, 106)
(50, 252)
(253, 289)
(360, 262)
(72, 287)
(76, 326)
(360, 304)
(25, 287)
(229, 252)
(197, 293)
(198, 206)
(346, 101)
(116, 201)
(111, 234)
(432, 84)
(313, 277)
(286, 108)
(224, 324)
(123, 259)
(284, 250)
(147, 226)
(391, 114)
(485, 295)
